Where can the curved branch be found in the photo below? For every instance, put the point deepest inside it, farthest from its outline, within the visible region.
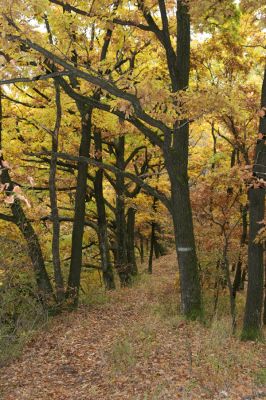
(147, 188)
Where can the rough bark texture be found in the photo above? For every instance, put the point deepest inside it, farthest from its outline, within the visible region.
(80, 205)
(27, 230)
(121, 228)
(108, 275)
(131, 258)
(59, 283)
(254, 300)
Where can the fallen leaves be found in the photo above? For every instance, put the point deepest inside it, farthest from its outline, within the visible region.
(134, 347)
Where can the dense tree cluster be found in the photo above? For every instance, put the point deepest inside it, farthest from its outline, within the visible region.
(130, 126)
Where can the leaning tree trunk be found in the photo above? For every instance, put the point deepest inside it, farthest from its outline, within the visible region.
(28, 232)
(256, 195)
(32, 240)
(80, 205)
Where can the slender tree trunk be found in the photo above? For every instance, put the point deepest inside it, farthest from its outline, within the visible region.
(80, 205)
(59, 283)
(131, 241)
(238, 273)
(230, 287)
(151, 247)
(141, 246)
(107, 270)
(121, 228)
(217, 285)
(33, 244)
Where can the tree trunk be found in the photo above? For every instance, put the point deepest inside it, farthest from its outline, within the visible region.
(141, 246)
(238, 273)
(27, 230)
(186, 250)
(151, 247)
(80, 205)
(131, 241)
(59, 282)
(176, 162)
(121, 228)
(254, 300)
(264, 313)
(108, 275)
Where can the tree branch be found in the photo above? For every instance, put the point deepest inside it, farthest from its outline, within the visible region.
(34, 79)
(147, 188)
(93, 79)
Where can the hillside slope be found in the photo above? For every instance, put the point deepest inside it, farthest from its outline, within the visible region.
(135, 346)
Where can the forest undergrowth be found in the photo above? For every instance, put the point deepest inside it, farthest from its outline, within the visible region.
(134, 344)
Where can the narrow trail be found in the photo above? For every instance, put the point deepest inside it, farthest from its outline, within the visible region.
(135, 347)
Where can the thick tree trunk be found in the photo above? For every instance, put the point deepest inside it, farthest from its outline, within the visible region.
(108, 275)
(254, 301)
(186, 251)
(264, 313)
(80, 205)
(131, 258)
(176, 162)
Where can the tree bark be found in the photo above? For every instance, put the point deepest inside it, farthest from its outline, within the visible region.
(121, 229)
(176, 162)
(107, 270)
(131, 258)
(151, 247)
(28, 232)
(59, 282)
(80, 205)
(254, 301)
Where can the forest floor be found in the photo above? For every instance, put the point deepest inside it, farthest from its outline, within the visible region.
(131, 344)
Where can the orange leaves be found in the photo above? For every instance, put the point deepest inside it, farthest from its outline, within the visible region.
(124, 106)
(16, 193)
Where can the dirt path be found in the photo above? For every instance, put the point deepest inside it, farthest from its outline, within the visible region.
(136, 347)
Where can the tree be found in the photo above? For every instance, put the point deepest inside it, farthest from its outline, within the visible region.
(256, 195)
(172, 140)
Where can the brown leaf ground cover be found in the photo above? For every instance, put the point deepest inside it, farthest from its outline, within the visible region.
(132, 344)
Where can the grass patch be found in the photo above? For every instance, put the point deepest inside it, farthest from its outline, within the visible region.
(21, 315)
(122, 355)
(260, 377)
(94, 296)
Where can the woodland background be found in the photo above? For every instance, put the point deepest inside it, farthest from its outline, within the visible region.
(129, 131)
